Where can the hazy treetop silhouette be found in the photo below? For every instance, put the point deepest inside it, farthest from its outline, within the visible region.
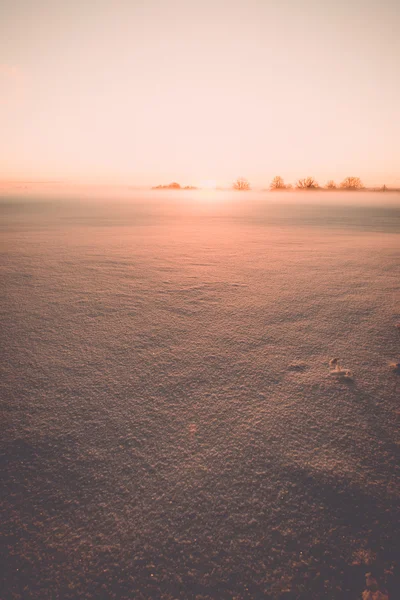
(277, 183)
(241, 184)
(352, 183)
(308, 183)
(171, 186)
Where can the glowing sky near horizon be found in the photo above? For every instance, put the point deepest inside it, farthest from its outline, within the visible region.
(152, 91)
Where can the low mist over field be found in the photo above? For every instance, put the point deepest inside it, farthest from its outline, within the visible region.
(172, 424)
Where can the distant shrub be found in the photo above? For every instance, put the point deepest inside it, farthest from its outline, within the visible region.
(277, 184)
(351, 183)
(308, 183)
(171, 186)
(241, 184)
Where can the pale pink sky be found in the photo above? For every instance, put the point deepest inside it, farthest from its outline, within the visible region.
(149, 91)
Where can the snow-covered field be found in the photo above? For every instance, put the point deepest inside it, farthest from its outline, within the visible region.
(171, 427)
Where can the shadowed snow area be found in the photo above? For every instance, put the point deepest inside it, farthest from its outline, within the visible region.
(171, 425)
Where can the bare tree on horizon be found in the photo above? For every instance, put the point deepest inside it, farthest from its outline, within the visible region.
(277, 184)
(241, 184)
(308, 183)
(351, 183)
(331, 185)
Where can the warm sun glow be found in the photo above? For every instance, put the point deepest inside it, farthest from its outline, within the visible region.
(208, 184)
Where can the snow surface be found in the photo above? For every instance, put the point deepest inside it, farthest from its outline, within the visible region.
(171, 426)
